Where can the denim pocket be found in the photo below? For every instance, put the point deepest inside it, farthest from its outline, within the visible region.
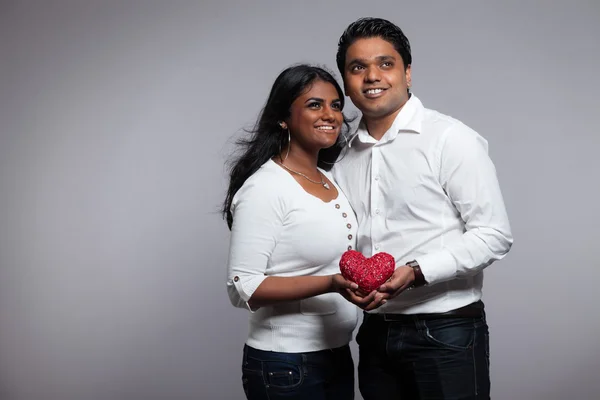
(253, 384)
(452, 333)
(282, 375)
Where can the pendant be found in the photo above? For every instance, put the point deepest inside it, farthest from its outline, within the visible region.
(326, 185)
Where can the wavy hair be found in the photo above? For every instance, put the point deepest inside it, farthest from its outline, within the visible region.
(267, 138)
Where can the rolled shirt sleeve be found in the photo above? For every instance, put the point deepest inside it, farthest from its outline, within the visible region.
(257, 220)
(468, 176)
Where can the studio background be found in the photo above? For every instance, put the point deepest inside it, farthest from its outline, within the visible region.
(116, 118)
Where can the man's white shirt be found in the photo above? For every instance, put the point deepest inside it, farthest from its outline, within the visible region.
(427, 191)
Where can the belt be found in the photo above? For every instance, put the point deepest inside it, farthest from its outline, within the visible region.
(473, 310)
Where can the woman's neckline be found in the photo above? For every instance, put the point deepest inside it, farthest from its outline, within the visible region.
(283, 170)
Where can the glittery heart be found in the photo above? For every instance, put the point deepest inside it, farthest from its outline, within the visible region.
(367, 273)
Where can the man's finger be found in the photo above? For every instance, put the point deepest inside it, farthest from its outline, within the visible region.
(360, 293)
(378, 300)
(375, 304)
(397, 283)
(361, 302)
(389, 287)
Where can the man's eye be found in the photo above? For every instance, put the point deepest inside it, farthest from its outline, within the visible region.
(356, 68)
(387, 64)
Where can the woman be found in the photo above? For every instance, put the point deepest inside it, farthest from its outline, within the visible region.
(289, 226)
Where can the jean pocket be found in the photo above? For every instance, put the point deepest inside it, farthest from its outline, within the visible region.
(454, 334)
(325, 304)
(282, 375)
(253, 384)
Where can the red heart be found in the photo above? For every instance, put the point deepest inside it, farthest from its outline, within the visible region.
(367, 273)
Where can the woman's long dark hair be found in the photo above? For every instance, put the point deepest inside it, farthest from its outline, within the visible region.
(268, 138)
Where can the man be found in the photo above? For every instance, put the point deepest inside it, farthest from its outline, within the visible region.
(424, 190)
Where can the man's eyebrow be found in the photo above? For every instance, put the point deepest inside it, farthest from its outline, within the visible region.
(365, 61)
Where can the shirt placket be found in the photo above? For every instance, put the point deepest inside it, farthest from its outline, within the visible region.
(376, 200)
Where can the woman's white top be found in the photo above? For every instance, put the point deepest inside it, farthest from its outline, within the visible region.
(281, 230)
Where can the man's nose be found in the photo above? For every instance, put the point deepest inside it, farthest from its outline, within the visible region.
(373, 75)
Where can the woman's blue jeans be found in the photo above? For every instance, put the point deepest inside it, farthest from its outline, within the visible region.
(318, 375)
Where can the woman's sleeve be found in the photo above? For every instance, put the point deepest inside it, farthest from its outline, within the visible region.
(257, 211)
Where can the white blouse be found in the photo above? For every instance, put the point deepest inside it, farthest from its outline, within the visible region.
(281, 230)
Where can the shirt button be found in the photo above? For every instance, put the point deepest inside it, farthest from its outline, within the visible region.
(376, 247)
(349, 247)
(377, 177)
(344, 215)
(236, 278)
(348, 226)
(377, 211)
(337, 206)
(349, 237)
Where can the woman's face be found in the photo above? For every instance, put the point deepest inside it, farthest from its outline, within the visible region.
(316, 117)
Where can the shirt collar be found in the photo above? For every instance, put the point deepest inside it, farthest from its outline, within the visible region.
(408, 120)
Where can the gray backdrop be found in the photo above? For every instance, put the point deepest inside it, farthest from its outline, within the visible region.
(117, 116)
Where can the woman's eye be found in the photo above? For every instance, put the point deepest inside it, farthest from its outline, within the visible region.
(314, 105)
(336, 106)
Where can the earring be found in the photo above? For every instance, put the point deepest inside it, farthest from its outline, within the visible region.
(289, 144)
(283, 126)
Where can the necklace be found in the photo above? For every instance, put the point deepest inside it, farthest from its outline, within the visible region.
(323, 183)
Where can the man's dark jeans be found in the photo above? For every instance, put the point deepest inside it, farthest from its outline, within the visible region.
(423, 357)
(317, 375)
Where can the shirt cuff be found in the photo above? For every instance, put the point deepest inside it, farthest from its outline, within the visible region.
(437, 267)
(241, 289)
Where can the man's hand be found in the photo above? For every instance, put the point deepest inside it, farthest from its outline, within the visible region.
(369, 302)
(351, 292)
(402, 278)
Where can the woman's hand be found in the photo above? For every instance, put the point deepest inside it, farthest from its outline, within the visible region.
(350, 291)
(339, 284)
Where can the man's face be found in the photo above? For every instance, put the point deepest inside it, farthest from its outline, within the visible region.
(375, 78)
